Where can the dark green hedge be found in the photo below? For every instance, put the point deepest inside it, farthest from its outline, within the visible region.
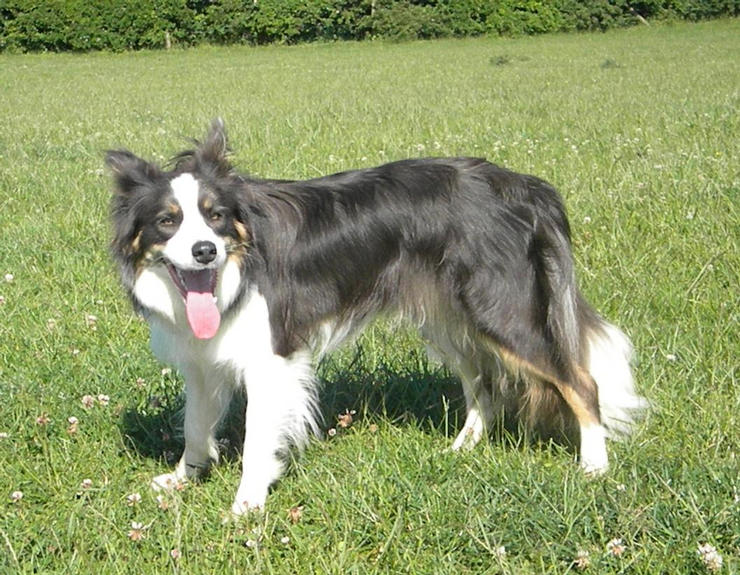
(80, 25)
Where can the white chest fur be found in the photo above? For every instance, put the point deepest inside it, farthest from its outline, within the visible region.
(241, 344)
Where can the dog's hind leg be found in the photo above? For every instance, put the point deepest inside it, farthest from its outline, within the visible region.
(478, 407)
(205, 402)
(580, 395)
(476, 387)
(582, 398)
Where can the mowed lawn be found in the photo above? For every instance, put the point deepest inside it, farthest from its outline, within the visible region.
(639, 129)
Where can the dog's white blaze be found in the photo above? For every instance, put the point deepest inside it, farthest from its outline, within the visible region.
(179, 248)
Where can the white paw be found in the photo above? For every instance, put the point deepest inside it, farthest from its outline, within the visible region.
(249, 499)
(471, 433)
(166, 482)
(594, 469)
(594, 459)
(468, 438)
(240, 508)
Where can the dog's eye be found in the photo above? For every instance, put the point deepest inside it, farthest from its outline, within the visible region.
(166, 221)
(216, 216)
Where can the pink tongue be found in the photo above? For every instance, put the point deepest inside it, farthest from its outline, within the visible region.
(203, 315)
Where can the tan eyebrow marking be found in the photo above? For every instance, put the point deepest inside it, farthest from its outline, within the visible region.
(174, 208)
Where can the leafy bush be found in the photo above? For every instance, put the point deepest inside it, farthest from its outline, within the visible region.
(516, 17)
(594, 14)
(34, 25)
(80, 25)
(703, 9)
(407, 20)
(289, 21)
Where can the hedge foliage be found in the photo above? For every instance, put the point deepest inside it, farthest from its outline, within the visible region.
(81, 25)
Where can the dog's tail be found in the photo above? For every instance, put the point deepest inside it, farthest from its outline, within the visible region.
(582, 337)
(607, 355)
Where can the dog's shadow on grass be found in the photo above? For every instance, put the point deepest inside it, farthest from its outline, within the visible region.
(425, 394)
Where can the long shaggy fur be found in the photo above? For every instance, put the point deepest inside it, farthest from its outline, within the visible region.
(477, 256)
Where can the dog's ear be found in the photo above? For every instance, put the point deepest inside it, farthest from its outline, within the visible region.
(211, 156)
(214, 152)
(129, 171)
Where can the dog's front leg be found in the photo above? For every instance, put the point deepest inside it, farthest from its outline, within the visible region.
(280, 414)
(205, 401)
(261, 465)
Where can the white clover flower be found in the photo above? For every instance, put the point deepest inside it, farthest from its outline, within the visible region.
(133, 499)
(582, 560)
(615, 547)
(295, 514)
(137, 531)
(710, 557)
(73, 423)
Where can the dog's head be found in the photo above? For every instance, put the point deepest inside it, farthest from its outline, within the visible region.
(180, 237)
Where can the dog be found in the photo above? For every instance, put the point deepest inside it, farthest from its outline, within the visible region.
(245, 282)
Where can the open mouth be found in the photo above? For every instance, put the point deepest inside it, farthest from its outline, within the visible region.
(197, 288)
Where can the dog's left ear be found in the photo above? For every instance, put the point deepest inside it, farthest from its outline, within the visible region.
(130, 171)
(214, 152)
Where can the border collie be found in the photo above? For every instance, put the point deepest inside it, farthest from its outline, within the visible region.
(245, 282)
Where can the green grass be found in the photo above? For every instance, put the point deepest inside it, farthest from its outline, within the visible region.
(638, 129)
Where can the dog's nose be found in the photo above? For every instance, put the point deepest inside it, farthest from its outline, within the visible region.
(204, 252)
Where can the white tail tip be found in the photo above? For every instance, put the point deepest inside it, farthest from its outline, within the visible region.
(609, 357)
